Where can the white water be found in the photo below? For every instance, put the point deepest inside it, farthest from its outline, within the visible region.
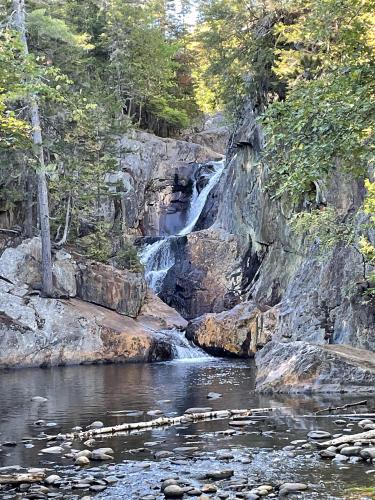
(158, 258)
(183, 349)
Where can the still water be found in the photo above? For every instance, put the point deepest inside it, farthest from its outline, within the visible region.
(77, 396)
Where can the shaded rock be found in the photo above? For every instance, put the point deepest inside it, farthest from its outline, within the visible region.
(350, 451)
(173, 491)
(319, 435)
(368, 453)
(300, 367)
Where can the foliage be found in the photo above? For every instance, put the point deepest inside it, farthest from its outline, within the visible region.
(127, 258)
(367, 248)
(325, 226)
(97, 245)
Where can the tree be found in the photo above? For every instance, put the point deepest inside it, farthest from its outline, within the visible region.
(43, 207)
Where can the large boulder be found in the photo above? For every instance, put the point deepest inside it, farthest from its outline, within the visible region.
(22, 265)
(240, 331)
(299, 367)
(120, 290)
(35, 331)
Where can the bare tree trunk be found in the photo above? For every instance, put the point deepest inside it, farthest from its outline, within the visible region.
(47, 285)
(29, 206)
(67, 222)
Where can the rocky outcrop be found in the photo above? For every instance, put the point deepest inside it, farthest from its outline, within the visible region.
(120, 290)
(35, 331)
(240, 332)
(299, 367)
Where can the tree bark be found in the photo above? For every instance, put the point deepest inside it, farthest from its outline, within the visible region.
(29, 206)
(67, 222)
(47, 284)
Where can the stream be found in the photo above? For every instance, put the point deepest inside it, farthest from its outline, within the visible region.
(77, 396)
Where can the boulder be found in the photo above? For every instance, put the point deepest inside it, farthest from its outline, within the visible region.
(35, 331)
(116, 289)
(299, 367)
(241, 331)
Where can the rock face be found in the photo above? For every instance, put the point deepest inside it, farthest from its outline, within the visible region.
(240, 331)
(35, 331)
(298, 367)
(120, 290)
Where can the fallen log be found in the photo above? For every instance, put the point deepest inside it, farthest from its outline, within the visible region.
(166, 421)
(349, 405)
(348, 439)
(22, 478)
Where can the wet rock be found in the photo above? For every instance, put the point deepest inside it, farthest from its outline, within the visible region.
(241, 423)
(9, 444)
(364, 422)
(194, 492)
(197, 410)
(111, 479)
(340, 422)
(214, 395)
(368, 453)
(96, 425)
(84, 453)
(81, 461)
(209, 488)
(319, 435)
(155, 413)
(53, 450)
(217, 475)
(173, 491)
(102, 454)
(340, 458)
(52, 479)
(163, 454)
(39, 399)
(350, 451)
(98, 487)
(287, 488)
(327, 454)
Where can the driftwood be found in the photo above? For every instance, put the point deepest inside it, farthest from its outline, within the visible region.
(348, 439)
(349, 405)
(22, 478)
(167, 421)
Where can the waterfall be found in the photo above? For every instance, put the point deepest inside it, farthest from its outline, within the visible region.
(158, 258)
(183, 349)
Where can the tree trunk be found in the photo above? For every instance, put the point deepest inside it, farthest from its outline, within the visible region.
(67, 222)
(47, 285)
(29, 206)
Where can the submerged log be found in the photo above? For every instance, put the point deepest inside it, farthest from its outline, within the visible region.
(22, 478)
(349, 405)
(168, 421)
(348, 439)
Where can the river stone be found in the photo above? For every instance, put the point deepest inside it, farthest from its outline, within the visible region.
(84, 453)
(190, 411)
(340, 458)
(209, 488)
(173, 491)
(98, 487)
(327, 454)
(364, 422)
(100, 455)
(81, 461)
(350, 451)
(287, 488)
(240, 423)
(369, 427)
(368, 453)
(52, 450)
(39, 399)
(217, 475)
(96, 425)
(163, 454)
(52, 479)
(214, 395)
(319, 435)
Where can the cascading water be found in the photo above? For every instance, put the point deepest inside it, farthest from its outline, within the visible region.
(158, 258)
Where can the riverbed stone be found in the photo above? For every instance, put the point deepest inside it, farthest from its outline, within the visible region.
(214, 395)
(350, 451)
(190, 411)
(173, 491)
(319, 435)
(52, 450)
(217, 475)
(368, 453)
(52, 479)
(287, 488)
(96, 425)
(81, 461)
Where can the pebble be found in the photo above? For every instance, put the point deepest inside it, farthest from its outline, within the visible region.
(52, 479)
(52, 450)
(197, 410)
(209, 488)
(214, 395)
(82, 461)
(318, 435)
(96, 425)
(39, 399)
